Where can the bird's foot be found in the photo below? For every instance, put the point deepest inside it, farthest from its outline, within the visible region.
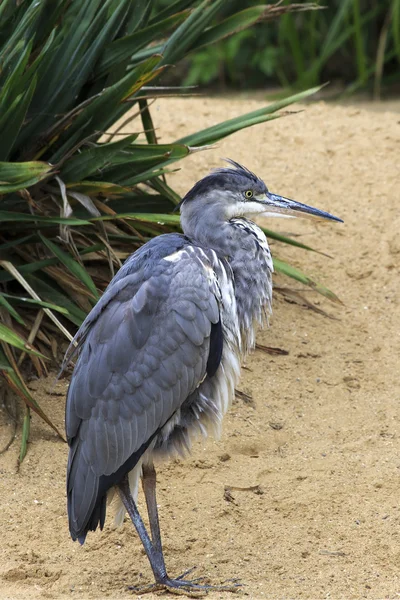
(184, 587)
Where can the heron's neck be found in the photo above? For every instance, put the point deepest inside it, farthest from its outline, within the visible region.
(236, 239)
(245, 246)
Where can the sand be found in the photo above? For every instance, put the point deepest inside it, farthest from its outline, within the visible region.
(320, 437)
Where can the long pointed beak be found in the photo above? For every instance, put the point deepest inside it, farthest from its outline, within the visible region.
(285, 207)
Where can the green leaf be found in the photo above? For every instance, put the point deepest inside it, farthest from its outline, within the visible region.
(22, 300)
(14, 217)
(17, 176)
(143, 160)
(339, 31)
(12, 122)
(287, 240)
(171, 8)
(55, 295)
(147, 121)
(120, 52)
(157, 153)
(18, 385)
(28, 268)
(10, 309)
(15, 33)
(138, 15)
(190, 30)
(141, 202)
(93, 188)
(33, 67)
(121, 173)
(217, 132)
(76, 269)
(396, 26)
(11, 87)
(236, 22)
(107, 108)
(281, 266)
(90, 161)
(10, 337)
(160, 219)
(166, 190)
(26, 428)
(72, 62)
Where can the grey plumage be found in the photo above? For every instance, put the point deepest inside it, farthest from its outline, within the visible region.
(139, 362)
(159, 356)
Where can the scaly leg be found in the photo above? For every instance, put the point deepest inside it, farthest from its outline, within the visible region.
(154, 555)
(153, 548)
(149, 488)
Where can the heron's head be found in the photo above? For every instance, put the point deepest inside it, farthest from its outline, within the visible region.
(236, 192)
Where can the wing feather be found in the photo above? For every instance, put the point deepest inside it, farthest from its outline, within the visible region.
(142, 353)
(192, 330)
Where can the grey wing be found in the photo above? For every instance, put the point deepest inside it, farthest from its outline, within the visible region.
(146, 352)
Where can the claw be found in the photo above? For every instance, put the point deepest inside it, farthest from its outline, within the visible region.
(187, 589)
(190, 588)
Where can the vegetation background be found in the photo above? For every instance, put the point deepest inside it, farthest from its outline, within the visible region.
(75, 199)
(353, 43)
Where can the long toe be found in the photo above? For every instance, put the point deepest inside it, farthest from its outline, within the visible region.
(185, 587)
(187, 572)
(193, 588)
(174, 586)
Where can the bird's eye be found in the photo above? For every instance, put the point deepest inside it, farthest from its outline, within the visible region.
(248, 193)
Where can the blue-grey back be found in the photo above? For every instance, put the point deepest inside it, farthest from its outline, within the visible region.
(143, 350)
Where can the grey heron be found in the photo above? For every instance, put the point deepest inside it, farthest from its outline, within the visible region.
(159, 355)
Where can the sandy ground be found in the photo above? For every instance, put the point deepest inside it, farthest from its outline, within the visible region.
(321, 435)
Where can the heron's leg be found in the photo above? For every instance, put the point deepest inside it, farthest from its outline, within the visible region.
(153, 548)
(149, 481)
(154, 555)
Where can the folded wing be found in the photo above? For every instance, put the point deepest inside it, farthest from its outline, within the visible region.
(142, 353)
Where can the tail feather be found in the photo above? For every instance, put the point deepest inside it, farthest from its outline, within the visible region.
(85, 509)
(87, 492)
